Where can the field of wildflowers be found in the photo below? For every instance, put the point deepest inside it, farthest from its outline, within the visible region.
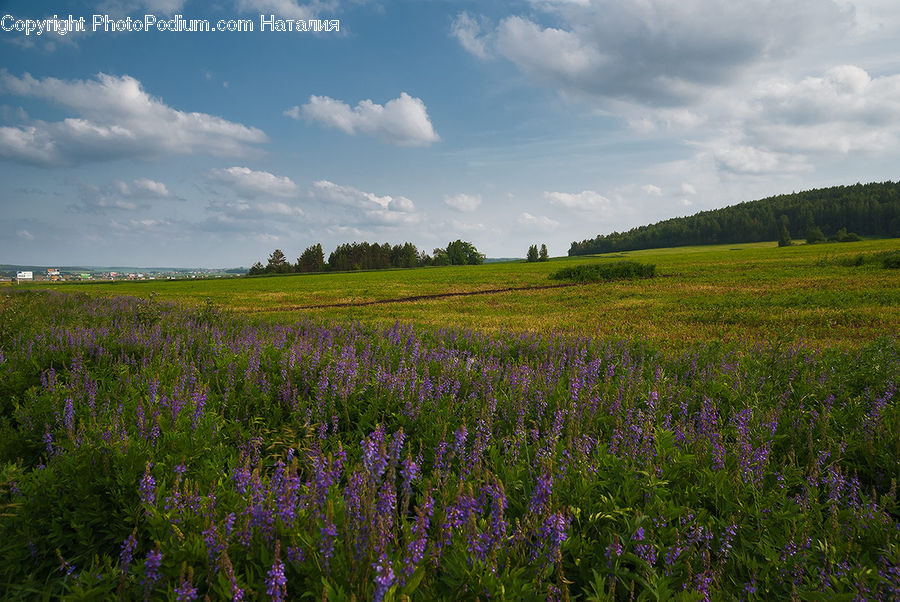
(151, 450)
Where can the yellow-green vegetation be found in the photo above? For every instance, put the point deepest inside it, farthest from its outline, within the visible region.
(748, 292)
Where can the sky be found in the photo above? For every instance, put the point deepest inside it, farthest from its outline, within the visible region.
(505, 124)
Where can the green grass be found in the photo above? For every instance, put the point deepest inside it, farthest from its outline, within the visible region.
(754, 292)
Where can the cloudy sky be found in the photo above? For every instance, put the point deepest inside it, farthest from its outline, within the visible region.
(502, 123)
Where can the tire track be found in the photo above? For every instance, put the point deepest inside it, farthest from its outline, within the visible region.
(412, 298)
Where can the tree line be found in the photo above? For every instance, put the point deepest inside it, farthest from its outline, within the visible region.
(368, 256)
(866, 209)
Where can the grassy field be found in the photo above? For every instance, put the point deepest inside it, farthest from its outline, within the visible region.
(750, 292)
(153, 450)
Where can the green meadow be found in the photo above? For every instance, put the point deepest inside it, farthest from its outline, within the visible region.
(731, 293)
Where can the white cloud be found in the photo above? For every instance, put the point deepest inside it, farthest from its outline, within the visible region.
(402, 121)
(584, 200)
(253, 184)
(115, 119)
(463, 202)
(844, 110)
(652, 190)
(467, 30)
(688, 188)
(119, 195)
(549, 54)
(654, 53)
(749, 160)
(366, 207)
(538, 222)
(25, 234)
(289, 9)
(124, 7)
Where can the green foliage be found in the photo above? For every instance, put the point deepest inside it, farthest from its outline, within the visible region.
(532, 254)
(543, 255)
(311, 260)
(600, 272)
(463, 253)
(278, 263)
(868, 209)
(784, 236)
(814, 236)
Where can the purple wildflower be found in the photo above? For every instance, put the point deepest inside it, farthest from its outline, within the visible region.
(148, 486)
(128, 547)
(384, 577)
(276, 582)
(186, 589)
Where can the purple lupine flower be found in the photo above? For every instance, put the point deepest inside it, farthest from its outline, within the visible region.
(70, 415)
(151, 568)
(128, 547)
(643, 548)
(374, 454)
(186, 589)
(326, 544)
(614, 549)
(48, 442)
(384, 577)
(276, 582)
(552, 535)
(148, 486)
(416, 547)
(410, 471)
(214, 546)
(671, 556)
(728, 540)
(541, 494)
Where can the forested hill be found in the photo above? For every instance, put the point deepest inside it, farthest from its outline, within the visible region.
(866, 209)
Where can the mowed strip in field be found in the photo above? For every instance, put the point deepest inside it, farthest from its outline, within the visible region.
(750, 293)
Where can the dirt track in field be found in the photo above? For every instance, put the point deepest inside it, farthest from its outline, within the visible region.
(411, 299)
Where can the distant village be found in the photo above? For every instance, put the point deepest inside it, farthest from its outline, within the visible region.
(85, 275)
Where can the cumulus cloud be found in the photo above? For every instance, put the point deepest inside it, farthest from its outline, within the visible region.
(402, 121)
(119, 195)
(468, 32)
(749, 160)
(253, 184)
(687, 188)
(584, 200)
(367, 207)
(463, 202)
(288, 9)
(843, 110)
(124, 7)
(652, 53)
(115, 118)
(536, 222)
(652, 190)
(25, 234)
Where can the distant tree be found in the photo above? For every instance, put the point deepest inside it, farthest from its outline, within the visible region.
(440, 257)
(464, 253)
(312, 259)
(278, 263)
(543, 255)
(256, 269)
(784, 237)
(814, 235)
(532, 254)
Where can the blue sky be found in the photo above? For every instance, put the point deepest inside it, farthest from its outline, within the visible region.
(502, 123)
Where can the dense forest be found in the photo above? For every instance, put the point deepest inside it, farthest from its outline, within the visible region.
(864, 209)
(369, 256)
